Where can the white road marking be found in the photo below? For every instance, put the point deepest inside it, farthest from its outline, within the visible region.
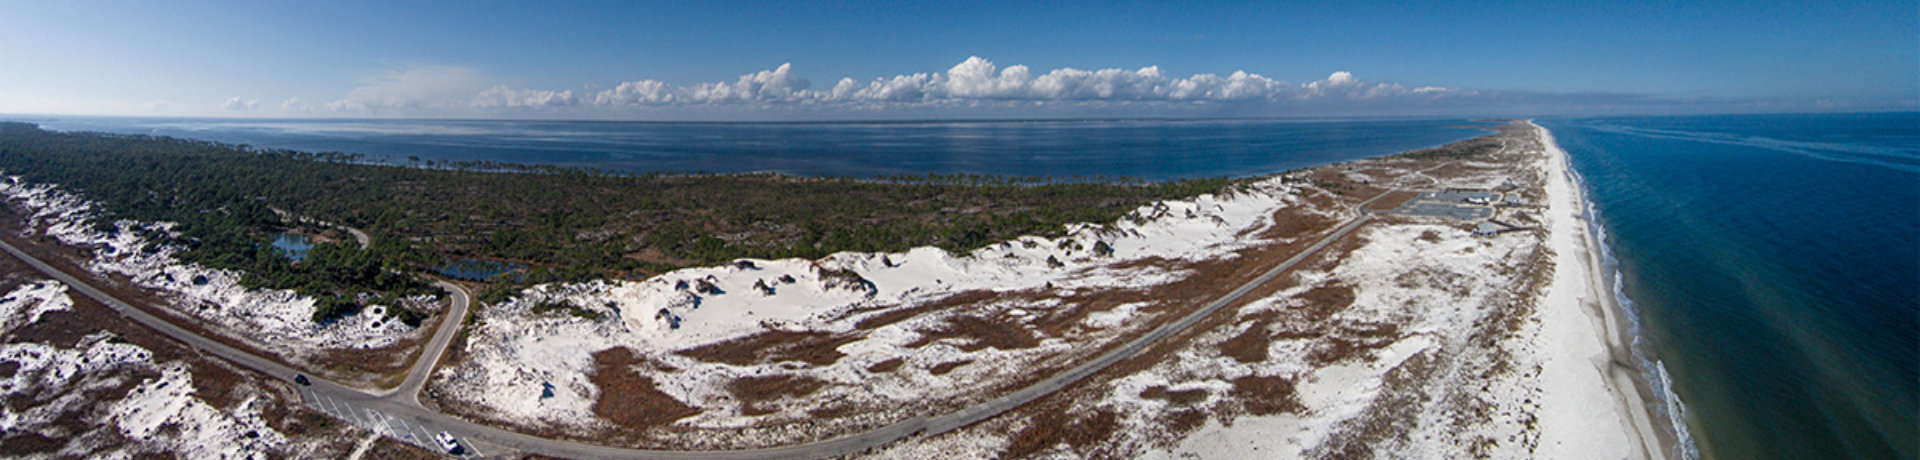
(407, 426)
(332, 409)
(385, 422)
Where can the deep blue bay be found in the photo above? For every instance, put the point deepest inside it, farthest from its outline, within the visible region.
(1144, 149)
(1773, 262)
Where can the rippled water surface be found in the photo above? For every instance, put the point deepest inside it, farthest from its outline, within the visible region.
(1774, 261)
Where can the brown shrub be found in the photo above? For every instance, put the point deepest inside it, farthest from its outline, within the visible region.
(629, 399)
(1186, 420)
(833, 411)
(1353, 339)
(886, 366)
(1266, 395)
(944, 368)
(1250, 346)
(901, 314)
(1324, 300)
(982, 332)
(26, 443)
(1294, 222)
(1186, 397)
(816, 348)
(1054, 426)
(755, 391)
(1391, 200)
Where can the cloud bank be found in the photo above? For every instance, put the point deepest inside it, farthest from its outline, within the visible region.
(238, 103)
(415, 88)
(973, 83)
(980, 80)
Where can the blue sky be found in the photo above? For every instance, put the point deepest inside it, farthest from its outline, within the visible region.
(724, 60)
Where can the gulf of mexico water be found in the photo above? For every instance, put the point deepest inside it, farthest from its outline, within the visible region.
(1145, 149)
(1772, 264)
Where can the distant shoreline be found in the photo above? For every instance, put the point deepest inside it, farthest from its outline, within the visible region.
(1151, 150)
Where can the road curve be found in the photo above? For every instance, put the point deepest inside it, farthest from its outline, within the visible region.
(402, 403)
(458, 303)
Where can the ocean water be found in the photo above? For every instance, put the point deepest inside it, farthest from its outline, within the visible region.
(1772, 264)
(1145, 149)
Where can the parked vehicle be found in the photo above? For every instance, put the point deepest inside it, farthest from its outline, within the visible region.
(448, 443)
(302, 380)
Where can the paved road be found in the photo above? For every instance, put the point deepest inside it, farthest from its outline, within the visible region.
(398, 413)
(409, 390)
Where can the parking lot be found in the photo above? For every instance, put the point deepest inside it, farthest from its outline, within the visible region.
(1451, 204)
(1448, 210)
(416, 433)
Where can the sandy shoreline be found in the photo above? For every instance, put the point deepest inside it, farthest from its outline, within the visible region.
(1606, 357)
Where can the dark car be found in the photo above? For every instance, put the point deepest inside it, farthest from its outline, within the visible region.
(301, 379)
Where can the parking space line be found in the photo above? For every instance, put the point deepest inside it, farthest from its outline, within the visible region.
(351, 417)
(382, 418)
(365, 420)
(326, 405)
(426, 437)
(345, 414)
(407, 426)
(372, 423)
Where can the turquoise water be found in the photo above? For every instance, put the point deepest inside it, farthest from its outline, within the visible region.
(1773, 266)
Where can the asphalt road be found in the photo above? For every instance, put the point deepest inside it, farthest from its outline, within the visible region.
(409, 390)
(401, 405)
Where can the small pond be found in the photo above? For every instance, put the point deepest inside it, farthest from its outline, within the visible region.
(294, 245)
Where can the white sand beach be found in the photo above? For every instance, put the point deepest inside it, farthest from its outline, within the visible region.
(1594, 407)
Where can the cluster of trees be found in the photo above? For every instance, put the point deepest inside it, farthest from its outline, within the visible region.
(222, 197)
(567, 224)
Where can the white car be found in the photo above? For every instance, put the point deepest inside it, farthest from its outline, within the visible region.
(448, 443)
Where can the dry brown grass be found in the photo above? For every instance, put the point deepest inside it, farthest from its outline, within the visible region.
(1250, 346)
(1176, 397)
(1266, 395)
(1295, 222)
(960, 299)
(1389, 418)
(1054, 426)
(628, 399)
(756, 392)
(944, 368)
(1352, 340)
(384, 366)
(979, 333)
(886, 366)
(1391, 200)
(816, 348)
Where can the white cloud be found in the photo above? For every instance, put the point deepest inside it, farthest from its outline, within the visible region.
(421, 87)
(975, 81)
(777, 85)
(643, 92)
(295, 105)
(502, 96)
(240, 104)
